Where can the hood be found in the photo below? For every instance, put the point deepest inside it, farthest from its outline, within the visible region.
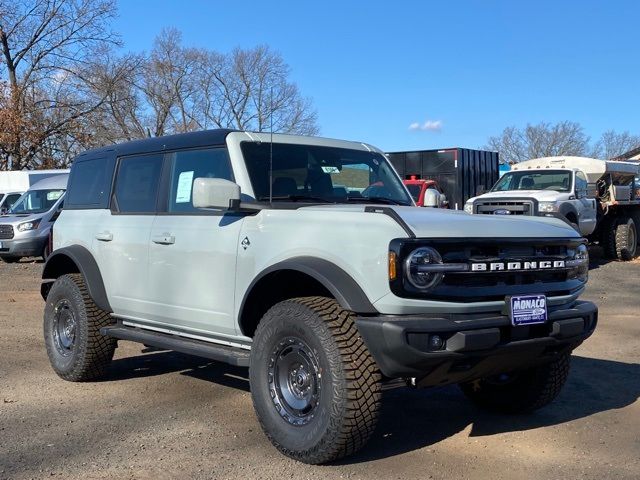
(540, 195)
(16, 218)
(445, 223)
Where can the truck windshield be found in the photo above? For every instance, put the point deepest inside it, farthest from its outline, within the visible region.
(36, 201)
(558, 180)
(311, 173)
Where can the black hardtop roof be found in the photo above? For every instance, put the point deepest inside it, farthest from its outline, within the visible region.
(168, 142)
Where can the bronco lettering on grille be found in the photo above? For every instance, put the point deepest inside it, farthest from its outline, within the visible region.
(515, 266)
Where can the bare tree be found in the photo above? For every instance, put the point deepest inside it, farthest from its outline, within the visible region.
(612, 144)
(48, 52)
(541, 140)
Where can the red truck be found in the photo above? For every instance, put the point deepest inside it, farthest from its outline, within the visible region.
(418, 188)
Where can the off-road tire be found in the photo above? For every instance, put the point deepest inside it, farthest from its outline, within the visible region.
(626, 239)
(91, 352)
(350, 382)
(608, 237)
(525, 392)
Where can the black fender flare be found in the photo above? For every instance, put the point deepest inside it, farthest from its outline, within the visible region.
(566, 209)
(339, 283)
(58, 264)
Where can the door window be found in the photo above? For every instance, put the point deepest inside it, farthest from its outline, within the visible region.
(137, 182)
(581, 185)
(187, 165)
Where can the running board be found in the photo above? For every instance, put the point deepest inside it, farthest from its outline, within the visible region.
(221, 353)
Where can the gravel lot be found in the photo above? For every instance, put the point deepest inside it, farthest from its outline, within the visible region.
(165, 415)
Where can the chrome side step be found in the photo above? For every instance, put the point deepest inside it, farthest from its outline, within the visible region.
(221, 353)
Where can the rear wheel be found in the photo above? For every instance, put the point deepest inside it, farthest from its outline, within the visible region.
(626, 238)
(72, 321)
(315, 387)
(520, 392)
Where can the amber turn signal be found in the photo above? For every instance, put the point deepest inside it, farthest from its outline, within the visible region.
(392, 266)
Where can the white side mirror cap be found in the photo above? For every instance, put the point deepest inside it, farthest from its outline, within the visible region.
(432, 198)
(215, 193)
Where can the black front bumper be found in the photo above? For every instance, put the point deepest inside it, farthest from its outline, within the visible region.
(471, 346)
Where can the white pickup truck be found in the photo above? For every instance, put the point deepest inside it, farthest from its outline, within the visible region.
(597, 197)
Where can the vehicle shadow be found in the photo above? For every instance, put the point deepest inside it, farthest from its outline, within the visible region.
(414, 419)
(154, 362)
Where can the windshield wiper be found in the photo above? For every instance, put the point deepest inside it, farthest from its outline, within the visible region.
(295, 198)
(385, 200)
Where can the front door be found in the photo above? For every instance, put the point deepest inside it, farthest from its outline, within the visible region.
(192, 252)
(587, 209)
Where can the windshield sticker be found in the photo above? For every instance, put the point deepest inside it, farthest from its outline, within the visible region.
(330, 169)
(185, 183)
(51, 196)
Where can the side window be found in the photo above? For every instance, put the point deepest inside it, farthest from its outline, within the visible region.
(137, 182)
(581, 184)
(185, 166)
(89, 182)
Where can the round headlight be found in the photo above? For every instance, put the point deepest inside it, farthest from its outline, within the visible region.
(418, 268)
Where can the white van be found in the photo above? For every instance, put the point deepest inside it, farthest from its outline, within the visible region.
(14, 183)
(24, 229)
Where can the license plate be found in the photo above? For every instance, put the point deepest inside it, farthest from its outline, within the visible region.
(528, 309)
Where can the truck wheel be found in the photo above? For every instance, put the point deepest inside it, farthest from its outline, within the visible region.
(520, 392)
(315, 387)
(77, 350)
(626, 239)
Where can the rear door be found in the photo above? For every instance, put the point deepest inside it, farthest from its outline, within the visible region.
(192, 252)
(121, 237)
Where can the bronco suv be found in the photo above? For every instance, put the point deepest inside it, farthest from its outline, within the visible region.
(306, 260)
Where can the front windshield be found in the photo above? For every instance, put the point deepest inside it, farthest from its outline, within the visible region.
(36, 201)
(557, 180)
(322, 174)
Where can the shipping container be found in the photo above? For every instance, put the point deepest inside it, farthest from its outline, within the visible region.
(461, 172)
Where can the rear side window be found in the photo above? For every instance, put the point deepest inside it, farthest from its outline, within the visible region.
(89, 183)
(187, 165)
(136, 188)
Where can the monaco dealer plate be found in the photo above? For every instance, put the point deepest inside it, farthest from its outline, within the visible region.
(528, 309)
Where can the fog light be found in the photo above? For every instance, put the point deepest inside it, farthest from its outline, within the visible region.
(436, 342)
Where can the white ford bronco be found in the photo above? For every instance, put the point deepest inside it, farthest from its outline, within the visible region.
(306, 260)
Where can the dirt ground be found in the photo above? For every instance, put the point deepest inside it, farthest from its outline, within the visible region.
(165, 415)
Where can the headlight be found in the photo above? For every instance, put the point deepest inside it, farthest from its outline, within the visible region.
(421, 268)
(23, 227)
(579, 261)
(547, 207)
(468, 207)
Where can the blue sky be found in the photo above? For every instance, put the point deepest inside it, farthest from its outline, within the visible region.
(457, 72)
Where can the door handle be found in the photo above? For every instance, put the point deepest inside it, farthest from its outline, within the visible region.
(104, 236)
(164, 239)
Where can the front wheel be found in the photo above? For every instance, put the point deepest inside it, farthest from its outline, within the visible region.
(315, 387)
(520, 392)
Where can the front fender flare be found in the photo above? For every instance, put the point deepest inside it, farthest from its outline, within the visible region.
(339, 283)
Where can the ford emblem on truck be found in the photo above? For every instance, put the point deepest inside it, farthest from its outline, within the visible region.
(502, 211)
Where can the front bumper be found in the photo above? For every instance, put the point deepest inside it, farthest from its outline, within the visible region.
(473, 346)
(27, 247)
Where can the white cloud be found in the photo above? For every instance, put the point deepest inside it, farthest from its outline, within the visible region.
(427, 126)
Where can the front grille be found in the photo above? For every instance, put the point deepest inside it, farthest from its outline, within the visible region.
(514, 207)
(474, 286)
(6, 232)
